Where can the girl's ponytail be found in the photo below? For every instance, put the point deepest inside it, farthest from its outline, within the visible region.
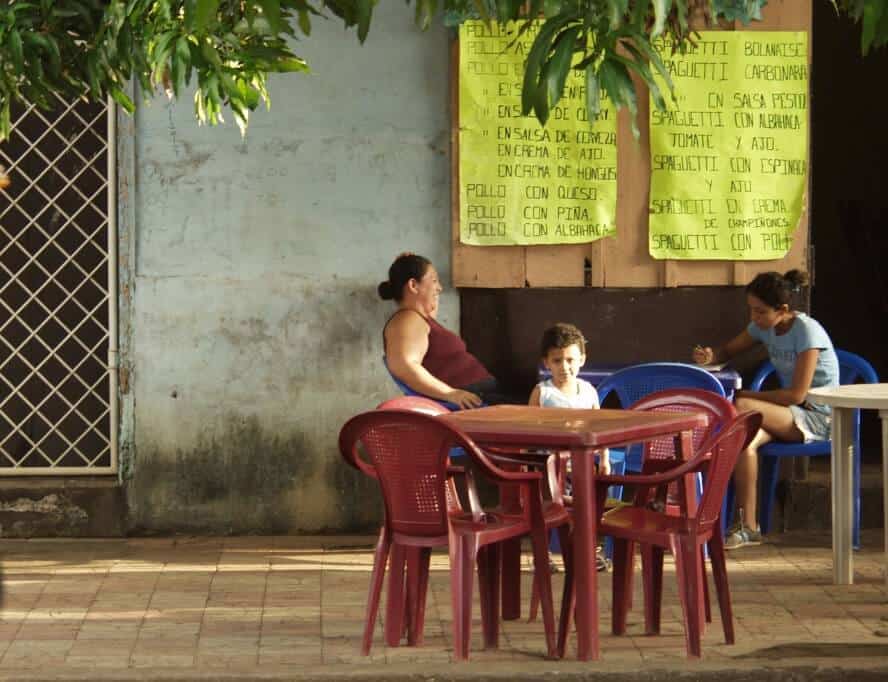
(777, 290)
(796, 279)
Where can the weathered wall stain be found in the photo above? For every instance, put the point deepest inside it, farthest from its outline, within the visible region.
(83, 507)
(235, 479)
(187, 162)
(255, 328)
(246, 480)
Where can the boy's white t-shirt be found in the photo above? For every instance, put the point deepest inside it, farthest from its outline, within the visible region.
(586, 396)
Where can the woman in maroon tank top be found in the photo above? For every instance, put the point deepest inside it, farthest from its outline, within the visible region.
(427, 357)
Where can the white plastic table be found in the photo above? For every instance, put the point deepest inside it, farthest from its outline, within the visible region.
(844, 400)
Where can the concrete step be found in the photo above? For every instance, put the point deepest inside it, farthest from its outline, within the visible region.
(806, 505)
(58, 507)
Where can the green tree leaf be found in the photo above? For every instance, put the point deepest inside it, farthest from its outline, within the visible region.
(122, 99)
(640, 43)
(364, 15)
(616, 12)
(551, 8)
(619, 88)
(204, 13)
(290, 65)
(558, 67)
(593, 92)
(530, 89)
(211, 54)
(425, 10)
(271, 10)
(305, 22)
(73, 48)
(17, 50)
(872, 15)
(181, 65)
(661, 12)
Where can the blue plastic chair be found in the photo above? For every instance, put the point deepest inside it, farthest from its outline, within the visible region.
(406, 390)
(634, 383)
(631, 384)
(852, 369)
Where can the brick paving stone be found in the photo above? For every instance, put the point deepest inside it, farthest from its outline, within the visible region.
(102, 647)
(227, 662)
(38, 648)
(274, 660)
(259, 604)
(39, 631)
(156, 660)
(92, 661)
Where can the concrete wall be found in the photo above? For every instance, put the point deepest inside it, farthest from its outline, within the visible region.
(252, 327)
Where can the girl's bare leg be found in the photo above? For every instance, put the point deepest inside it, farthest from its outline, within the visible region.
(777, 424)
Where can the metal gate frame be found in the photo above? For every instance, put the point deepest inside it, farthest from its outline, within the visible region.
(112, 403)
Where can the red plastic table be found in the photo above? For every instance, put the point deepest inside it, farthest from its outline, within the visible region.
(582, 432)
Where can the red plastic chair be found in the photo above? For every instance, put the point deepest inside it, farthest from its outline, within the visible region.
(683, 535)
(405, 603)
(409, 452)
(414, 403)
(510, 502)
(660, 454)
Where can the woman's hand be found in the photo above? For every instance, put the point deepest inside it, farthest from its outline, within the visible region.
(465, 399)
(703, 355)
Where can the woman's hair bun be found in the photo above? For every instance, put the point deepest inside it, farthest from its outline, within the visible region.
(407, 266)
(385, 291)
(796, 278)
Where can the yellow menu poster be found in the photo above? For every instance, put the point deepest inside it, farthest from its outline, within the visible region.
(730, 159)
(520, 182)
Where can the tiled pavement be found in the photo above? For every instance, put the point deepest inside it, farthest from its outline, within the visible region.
(293, 607)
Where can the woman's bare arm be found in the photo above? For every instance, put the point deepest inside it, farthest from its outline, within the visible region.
(406, 342)
(795, 394)
(704, 355)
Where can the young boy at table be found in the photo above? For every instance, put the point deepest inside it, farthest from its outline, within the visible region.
(563, 353)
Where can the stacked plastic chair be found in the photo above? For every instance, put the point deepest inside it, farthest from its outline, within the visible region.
(407, 452)
(631, 384)
(660, 455)
(683, 535)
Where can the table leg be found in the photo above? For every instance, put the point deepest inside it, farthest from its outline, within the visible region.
(511, 576)
(884, 415)
(685, 448)
(685, 443)
(585, 542)
(511, 554)
(842, 466)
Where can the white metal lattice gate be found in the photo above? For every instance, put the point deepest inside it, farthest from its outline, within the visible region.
(58, 294)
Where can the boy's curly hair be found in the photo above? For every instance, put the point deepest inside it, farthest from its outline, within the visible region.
(562, 335)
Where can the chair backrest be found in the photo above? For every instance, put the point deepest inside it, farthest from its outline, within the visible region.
(414, 403)
(409, 452)
(716, 408)
(633, 383)
(852, 368)
(424, 405)
(725, 447)
(407, 391)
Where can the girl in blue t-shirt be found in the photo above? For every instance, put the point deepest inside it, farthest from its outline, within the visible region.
(803, 355)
